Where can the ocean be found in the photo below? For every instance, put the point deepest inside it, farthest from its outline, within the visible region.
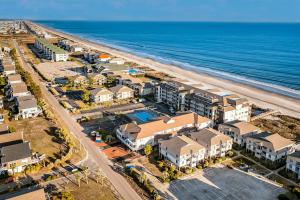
(264, 55)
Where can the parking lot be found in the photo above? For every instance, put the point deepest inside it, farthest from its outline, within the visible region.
(223, 183)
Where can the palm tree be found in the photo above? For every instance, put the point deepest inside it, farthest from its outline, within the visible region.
(142, 178)
(99, 176)
(78, 179)
(86, 173)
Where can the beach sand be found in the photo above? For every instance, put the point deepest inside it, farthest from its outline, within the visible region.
(261, 98)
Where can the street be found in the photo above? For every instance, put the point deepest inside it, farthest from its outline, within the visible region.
(93, 153)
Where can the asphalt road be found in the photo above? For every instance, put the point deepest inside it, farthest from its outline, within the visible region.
(117, 180)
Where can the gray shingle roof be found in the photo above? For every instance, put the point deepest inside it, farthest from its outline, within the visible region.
(15, 152)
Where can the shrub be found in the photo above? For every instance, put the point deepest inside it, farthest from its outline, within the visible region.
(199, 166)
(11, 129)
(230, 154)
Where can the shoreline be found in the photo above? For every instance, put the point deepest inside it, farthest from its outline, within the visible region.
(262, 98)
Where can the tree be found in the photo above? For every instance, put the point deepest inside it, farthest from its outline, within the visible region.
(99, 176)
(11, 129)
(165, 176)
(142, 178)
(85, 96)
(78, 179)
(148, 149)
(86, 173)
(13, 167)
(66, 196)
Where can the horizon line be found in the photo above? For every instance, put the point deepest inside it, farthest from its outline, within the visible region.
(162, 21)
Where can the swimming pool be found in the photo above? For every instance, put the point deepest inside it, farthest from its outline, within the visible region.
(142, 116)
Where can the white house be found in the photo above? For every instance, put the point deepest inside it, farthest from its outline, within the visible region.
(104, 57)
(118, 61)
(16, 90)
(293, 163)
(182, 151)
(137, 136)
(215, 142)
(238, 131)
(269, 146)
(122, 92)
(27, 107)
(13, 78)
(100, 95)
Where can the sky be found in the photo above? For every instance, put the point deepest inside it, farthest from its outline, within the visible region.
(153, 10)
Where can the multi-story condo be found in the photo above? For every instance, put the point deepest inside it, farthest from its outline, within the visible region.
(220, 106)
(100, 95)
(98, 79)
(13, 78)
(173, 94)
(51, 51)
(215, 143)
(122, 92)
(137, 136)
(238, 131)
(293, 163)
(269, 146)
(16, 90)
(181, 151)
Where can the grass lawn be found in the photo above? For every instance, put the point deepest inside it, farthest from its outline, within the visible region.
(256, 169)
(279, 180)
(92, 191)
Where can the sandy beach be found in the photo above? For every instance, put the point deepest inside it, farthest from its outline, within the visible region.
(265, 99)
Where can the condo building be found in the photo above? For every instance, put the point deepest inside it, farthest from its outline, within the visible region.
(51, 51)
(182, 151)
(293, 163)
(220, 106)
(238, 131)
(136, 137)
(269, 146)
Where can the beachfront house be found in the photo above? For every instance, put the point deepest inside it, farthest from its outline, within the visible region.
(104, 57)
(118, 61)
(293, 163)
(27, 193)
(100, 95)
(216, 143)
(8, 69)
(181, 151)
(238, 131)
(268, 146)
(122, 92)
(137, 136)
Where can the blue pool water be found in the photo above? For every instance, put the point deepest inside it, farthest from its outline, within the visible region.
(132, 71)
(142, 116)
(264, 55)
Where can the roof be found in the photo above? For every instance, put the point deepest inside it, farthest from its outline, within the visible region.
(117, 59)
(244, 127)
(296, 154)
(14, 77)
(273, 141)
(100, 91)
(104, 55)
(97, 76)
(181, 145)
(209, 137)
(19, 87)
(15, 152)
(27, 103)
(25, 194)
(120, 88)
(11, 138)
(52, 47)
(148, 129)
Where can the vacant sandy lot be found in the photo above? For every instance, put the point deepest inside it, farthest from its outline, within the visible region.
(53, 70)
(223, 183)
